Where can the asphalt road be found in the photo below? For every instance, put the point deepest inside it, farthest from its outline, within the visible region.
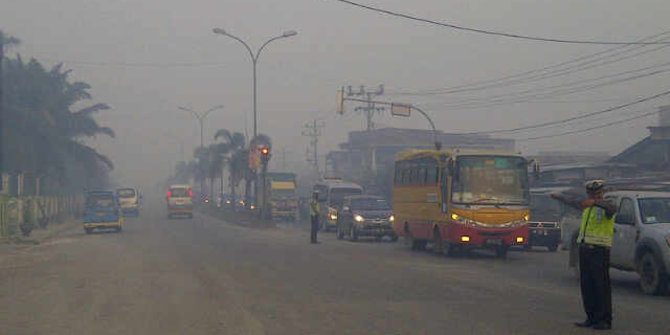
(204, 276)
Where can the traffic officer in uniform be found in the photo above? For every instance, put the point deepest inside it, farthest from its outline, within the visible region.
(314, 209)
(595, 240)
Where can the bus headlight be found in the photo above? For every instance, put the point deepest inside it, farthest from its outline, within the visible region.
(359, 218)
(391, 218)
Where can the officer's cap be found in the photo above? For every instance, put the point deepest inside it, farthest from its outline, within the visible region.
(594, 186)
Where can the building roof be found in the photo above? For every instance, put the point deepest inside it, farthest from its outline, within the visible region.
(647, 152)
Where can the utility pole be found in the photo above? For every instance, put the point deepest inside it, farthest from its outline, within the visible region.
(370, 108)
(2, 111)
(314, 131)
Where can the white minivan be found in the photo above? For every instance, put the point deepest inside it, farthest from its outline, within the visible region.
(129, 200)
(180, 201)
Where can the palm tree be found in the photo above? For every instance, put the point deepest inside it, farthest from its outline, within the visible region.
(233, 152)
(231, 143)
(5, 41)
(46, 134)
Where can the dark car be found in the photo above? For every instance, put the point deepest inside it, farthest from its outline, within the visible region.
(545, 216)
(365, 215)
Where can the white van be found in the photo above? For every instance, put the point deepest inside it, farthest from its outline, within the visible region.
(129, 200)
(331, 198)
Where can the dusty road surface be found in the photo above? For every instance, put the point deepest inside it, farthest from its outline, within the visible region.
(203, 276)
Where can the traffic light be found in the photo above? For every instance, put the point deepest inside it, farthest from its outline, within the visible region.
(265, 154)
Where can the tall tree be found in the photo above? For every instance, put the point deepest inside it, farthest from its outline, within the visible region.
(6, 41)
(229, 143)
(47, 134)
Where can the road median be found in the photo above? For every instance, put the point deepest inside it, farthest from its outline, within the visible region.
(238, 217)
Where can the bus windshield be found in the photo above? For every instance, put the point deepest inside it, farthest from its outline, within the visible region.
(490, 180)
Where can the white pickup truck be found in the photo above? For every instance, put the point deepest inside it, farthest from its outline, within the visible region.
(641, 240)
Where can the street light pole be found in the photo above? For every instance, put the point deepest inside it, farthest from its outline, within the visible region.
(254, 62)
(201, 119)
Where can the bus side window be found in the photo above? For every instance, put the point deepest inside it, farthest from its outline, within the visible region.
(431, 177)
(422, 177)
(413, 173)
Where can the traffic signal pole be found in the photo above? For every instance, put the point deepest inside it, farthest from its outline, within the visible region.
(396, 110)
(265, 159)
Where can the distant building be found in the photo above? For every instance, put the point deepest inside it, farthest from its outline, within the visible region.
(646, 162)
(550, 158)
(653, 152)
(368, 156)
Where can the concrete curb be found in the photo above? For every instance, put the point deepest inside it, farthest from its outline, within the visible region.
(39, 235)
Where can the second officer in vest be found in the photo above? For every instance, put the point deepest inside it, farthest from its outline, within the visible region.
(595, 240)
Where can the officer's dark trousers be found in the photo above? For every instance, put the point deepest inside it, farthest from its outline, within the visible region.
(594, 263)
(315, 228)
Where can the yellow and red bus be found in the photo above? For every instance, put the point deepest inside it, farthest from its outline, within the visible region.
(458, 199)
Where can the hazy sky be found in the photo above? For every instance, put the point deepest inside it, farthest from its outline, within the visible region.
(147, 57)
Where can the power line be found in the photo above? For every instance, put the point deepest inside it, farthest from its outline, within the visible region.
(131, 64)
(551, 123)
(584, 63)
(556, 90)
(489, 32)
(590, 128)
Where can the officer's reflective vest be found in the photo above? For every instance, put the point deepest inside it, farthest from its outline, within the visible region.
(314, 207)
(596, 228)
